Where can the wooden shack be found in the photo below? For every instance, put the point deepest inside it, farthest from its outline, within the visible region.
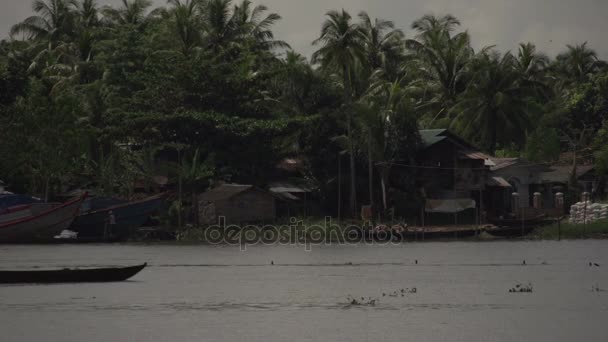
(238, 204)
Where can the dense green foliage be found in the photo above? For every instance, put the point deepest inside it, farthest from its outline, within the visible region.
(105, 96)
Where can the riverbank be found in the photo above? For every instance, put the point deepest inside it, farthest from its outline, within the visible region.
(568, 231)
(326, 231)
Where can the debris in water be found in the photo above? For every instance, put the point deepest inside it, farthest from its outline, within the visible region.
(520, 288)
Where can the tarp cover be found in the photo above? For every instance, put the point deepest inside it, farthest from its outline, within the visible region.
(449, 206)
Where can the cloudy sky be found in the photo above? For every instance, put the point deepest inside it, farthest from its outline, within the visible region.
(549, 23)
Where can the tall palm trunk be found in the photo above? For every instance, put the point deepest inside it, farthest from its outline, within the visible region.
(179, 191)
(370, 168)
(384, 175)
(353, 174)
(195, 212)
(351, 147)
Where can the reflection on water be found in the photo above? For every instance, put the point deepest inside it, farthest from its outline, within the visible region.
(199, 293)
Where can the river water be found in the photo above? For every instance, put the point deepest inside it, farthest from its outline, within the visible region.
(207, 293)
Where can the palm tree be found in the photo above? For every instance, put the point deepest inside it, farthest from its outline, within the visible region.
(342, 48)
(577, 63)
(195, 173)
(293, 83)
(392, 104)
(251, 23)
(531, 67)
(54, 21)
(87, 12)
(442, 60)
(132, 12)
(495, 107)
(219, 26)
(187, 23)
(383, 49)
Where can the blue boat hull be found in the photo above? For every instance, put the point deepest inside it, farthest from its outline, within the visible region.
(7, 201)
(128, 217)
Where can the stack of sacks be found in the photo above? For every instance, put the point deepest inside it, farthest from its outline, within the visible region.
(603, 213)
(588, 212)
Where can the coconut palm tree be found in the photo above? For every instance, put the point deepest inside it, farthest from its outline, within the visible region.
(577, 64)
(53, 23)
(294, 82)
(342, 47)
(87, 12)
(495, 107)
(392, 105)
(442, 59)
(132, 12)
(252, 23)
(384, 44)
(219, 25)
(186, 21)
(531, 66)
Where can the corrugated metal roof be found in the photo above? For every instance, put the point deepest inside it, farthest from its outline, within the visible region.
(286, 187)
(498, 182)
(476, 155)
(224, 192)
(502, 163)
(561, 174)
(430, 137)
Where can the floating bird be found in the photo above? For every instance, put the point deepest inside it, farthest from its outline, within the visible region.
(524, 262)
(272, 262)
(416, 262)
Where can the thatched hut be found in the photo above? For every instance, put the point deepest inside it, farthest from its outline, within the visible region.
(237, 203)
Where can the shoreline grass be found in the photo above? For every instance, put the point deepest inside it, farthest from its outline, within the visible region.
(570, 231)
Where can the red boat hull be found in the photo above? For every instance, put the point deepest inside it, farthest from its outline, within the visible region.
(40, 227)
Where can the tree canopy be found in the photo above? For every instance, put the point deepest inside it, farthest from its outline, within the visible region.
(86, 89)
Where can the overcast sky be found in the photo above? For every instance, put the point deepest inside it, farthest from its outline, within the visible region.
(550, 24)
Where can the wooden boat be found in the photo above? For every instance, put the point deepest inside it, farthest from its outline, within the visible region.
(127, 216)
(93, 275)
(512, 231)
(518, 222)
(7, 201)
(418, 233)
(25, 210)
(42, 226)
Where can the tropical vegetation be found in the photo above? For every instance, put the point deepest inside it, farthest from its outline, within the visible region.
(105, 97)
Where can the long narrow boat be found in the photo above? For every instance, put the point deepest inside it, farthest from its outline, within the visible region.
(419, 233)
(518, 222)
(11, 200)
(93, 275)
(127, 216)
(512, 231)
(42, 226)
(25, 210)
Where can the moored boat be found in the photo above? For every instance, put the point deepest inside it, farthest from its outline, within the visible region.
(127, 216)
(25, 210)
(93, 275)
(519, 222)
(11, 200)
(40, 226)
(512, 231)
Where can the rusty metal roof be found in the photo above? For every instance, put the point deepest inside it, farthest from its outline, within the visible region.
(498, 182)
(476, 155)
(502, 163)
